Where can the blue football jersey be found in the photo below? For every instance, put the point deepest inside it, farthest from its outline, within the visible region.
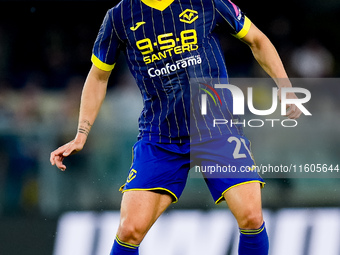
(168, 44)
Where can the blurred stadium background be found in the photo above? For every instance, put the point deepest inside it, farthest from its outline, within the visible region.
(45, 49)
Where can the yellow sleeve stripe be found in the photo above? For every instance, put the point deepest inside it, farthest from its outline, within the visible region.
(244, 31)
(101, 65)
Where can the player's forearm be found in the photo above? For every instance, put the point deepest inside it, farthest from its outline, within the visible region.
(93, 95)
(268, 58)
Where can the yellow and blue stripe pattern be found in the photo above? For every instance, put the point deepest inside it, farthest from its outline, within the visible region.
(166, 45)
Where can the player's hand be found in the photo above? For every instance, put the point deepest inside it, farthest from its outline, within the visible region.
(292, 111)
(57, 156)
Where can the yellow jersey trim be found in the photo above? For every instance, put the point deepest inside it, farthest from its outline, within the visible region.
(101, 65)
(244, 31)
(239, 184)
(151, 189)
(158, 5)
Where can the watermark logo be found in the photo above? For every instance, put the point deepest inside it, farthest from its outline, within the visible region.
(204, 97)
(239, 99)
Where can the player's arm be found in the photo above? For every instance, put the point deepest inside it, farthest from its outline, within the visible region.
(267, 56)
(93, 95)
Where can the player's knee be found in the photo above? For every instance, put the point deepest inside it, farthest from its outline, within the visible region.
(251, 220)
(131, 232)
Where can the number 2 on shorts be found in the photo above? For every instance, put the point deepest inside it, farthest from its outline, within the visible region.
(239, 142)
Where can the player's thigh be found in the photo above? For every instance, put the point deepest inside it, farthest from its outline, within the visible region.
(139, 211)
(244, 201)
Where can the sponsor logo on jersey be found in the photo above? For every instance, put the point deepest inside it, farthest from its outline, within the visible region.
(167, 45)
(169, 53)
(138, 24)
(188, 16)
(179, 64)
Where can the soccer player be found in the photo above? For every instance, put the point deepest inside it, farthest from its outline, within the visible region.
(173, 52)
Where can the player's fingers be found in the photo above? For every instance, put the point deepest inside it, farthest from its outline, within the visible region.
(293, 112)
(57, 156)
(53, 156)
(290, 109)
(73, 148)
(54, 153)
(61, 166)
(59, 162)
(70, 150)
(296, 114)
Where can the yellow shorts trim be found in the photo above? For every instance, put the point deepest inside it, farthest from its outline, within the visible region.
(151, 189)
(244, 31)
(100, 64)
(239, 184)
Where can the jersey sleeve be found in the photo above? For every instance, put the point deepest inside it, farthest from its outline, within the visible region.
(230, 14)
(106, 47)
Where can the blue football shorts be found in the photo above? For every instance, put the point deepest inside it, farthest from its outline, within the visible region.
(224, 163)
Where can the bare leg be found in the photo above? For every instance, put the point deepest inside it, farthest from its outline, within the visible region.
(139, 211)
(244, 202)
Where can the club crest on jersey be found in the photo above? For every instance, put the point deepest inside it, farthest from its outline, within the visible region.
(188, 16)
(132, 175)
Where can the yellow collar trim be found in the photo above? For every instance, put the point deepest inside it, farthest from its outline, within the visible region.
(159, 5)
